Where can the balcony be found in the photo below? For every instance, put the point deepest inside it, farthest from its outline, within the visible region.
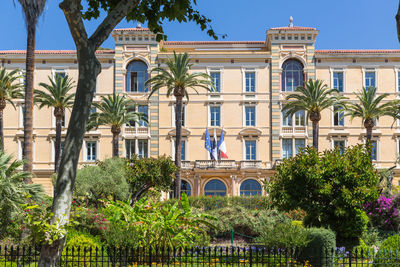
(137, 130)
(294, 130)
(187, 165)
(212, 164)
(251, 164)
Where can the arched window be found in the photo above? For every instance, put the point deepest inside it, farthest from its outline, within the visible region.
(215, 188)
(136, 76)
(250, 188)
(186, 188)
(292, 75)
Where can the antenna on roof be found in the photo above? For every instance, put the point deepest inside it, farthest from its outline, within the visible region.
(139, 25)
(291, 21)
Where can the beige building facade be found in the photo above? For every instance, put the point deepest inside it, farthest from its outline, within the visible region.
(252, 80)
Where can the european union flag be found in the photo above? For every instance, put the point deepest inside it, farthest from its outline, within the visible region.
(207, 144)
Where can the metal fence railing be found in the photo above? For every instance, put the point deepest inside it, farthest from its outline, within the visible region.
(200, 256)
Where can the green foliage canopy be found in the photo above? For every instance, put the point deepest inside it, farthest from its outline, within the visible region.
(331, 188)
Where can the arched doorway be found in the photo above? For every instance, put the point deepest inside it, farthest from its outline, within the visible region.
(250, 187)
(215, 188)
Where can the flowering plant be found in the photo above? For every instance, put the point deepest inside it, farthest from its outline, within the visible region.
(383, 213)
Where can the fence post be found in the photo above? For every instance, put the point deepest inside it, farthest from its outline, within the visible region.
(350, 258)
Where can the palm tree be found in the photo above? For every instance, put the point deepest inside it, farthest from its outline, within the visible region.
(312, 98)
(116, 111)
(10, 89)
(56, 95)
(370, 109)
(178, 80)
(13, 191)
(32, 9)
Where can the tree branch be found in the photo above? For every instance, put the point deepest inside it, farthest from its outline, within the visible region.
(117, 14)
(398, 22)
(72, 12)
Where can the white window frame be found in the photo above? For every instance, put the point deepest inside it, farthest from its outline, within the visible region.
(293, 144)
(85, 150)
(21, 115)
(244, 71)
(125, 148)
(173, 115)
(56, 70)
(244, 148)
(370, 69)
(148, 146)
(333, 119)
(221, 77)
(294, 120)
(255, 115)
(220, 114)
(343, 70)
(335, 139)
(173, 148)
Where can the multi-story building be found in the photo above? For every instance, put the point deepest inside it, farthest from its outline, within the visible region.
(252, 79)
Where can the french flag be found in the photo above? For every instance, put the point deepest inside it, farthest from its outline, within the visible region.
(222, 146)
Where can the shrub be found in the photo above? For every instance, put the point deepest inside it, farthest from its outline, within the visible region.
(284, 235)
(319, 250)
(383, 213)
(121, 235)
(106, 180)
(80, 247)
(90, 220)
(330, 187)
(388, 252)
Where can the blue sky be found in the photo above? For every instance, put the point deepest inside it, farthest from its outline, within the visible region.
(343, 24)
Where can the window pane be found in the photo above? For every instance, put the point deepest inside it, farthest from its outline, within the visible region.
(250, 188)
(340, 144)
(136, 76)
(143, 149)
(374, 150)
(216, 79)
(250, 114)
(300, 118)
(91, 153)
(338, 116)
(287, 148)
(129, 148)
(292, 75)
(338, 81)
(250, 149)
(299, 144)
(286, 121)
(145, 111)
(250, 81)
(369, 79)
(215, 113)
(215, 188)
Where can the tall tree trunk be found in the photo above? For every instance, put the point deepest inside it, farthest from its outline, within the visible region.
(57, 147)
(115, 132)
(369, 125)
(89, 68)
(1, 126)
(28, 115)
(315, 134)
(178, 145)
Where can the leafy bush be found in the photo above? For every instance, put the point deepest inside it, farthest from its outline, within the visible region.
(319, 250)
(121, 235)
(388, 252)
(383, 213)
(106, 180)
(330, 187)
(284, 235)
(90, 220)
(80, 247)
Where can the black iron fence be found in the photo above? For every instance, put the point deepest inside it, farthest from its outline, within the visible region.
(200, 256)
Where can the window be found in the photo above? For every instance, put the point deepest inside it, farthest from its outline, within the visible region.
(136, 76)
(216, 79)
(339, 144)
(215, 116)
(369, 79)
(250, 187)
(250, 116)
(300, 118)
(286, 121)
(186, 188)
(338, 80)
(215, 188)
(60, 72)
(250, 80)
(183, 149)
(250, 146)
(338, 116)
(21, 115)
(287, 148)
(299, 144)
(143, 149)
(91, 150)
(129, 148)
(292, 75)
(145, 111)
(183, 115)
(374, 144)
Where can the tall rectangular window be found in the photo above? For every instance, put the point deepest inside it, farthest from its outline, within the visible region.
(286, 121)
(250, 77)
(250, 116)
(374, 144)
(143, 149)
(340, 144)
(145, 110)
(183, 149)
(300, 118)
(129, 148)
(215, 116)
(338, 80)
(338, 116)
(216, 79)
(287, 148)
(369, 79)
(91, 150)
(250, 149)
(299, 144)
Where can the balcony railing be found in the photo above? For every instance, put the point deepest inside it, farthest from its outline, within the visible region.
(220, 164)
(251, 164)
(187, 165)
(137, 130)
(293, 129)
